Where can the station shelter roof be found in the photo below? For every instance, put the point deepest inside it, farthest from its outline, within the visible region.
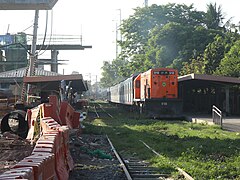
(44, 79)
(210, 78)
(53, 82)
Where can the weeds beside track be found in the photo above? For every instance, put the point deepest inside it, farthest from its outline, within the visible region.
(204, 152)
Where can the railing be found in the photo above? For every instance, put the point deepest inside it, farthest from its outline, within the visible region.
(217, 115)
(58, 39)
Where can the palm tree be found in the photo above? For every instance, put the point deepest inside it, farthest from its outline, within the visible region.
(214, 16)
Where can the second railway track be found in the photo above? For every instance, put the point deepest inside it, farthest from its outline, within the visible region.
(99, 111)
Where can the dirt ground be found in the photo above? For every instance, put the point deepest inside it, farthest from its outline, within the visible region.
(92, 155)
(12, 150)
(93, 158)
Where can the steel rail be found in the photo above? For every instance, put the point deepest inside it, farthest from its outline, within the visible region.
(105, 111)
(185, 174)
(120, 160)
(96, 111)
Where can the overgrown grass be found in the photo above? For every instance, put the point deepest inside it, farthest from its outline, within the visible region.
(205, 152)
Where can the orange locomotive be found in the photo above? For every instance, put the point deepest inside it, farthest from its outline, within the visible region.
(154, 92)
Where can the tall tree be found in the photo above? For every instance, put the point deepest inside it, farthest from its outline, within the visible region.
(230, 65)
(214, 16)
(213, 54)
(172, 35)
(137, 28)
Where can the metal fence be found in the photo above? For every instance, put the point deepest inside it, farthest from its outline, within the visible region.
(217, 115)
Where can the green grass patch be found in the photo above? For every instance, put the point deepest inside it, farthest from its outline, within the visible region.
(205, 152)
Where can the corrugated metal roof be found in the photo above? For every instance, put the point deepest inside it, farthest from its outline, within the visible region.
(21, 73)
(223, 79)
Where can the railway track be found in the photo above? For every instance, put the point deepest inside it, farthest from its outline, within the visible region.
(140, 170)
(136, 169)
(99, 112)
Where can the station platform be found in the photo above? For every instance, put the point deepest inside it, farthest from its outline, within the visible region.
(230, 123)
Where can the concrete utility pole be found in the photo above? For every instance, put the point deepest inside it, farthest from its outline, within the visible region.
(33, 55)
(34, 42)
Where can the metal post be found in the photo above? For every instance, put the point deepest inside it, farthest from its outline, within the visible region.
(227, 100)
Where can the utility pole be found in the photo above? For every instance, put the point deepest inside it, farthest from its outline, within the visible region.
(116, 40)
(34, 44)
(120, 22)
(118, 30)
(33, 54)
(146, 3)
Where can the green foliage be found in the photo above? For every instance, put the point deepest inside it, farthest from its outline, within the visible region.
(195, 66)
(230, 65)
(172, 35)
(112, 73)
(213, 54)
(214, 16)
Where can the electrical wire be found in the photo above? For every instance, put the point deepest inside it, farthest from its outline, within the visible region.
(45, 33)
(51, 32)
(27, 28)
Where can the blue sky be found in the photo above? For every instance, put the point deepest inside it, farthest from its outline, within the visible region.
(96, 21)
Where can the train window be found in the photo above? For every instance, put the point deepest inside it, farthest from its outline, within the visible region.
(163, 72)
(173, 83)
(137, 84)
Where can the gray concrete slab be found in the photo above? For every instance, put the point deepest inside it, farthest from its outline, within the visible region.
(230, 123)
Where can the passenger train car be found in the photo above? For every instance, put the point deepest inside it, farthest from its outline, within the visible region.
(122, 93)
(154, 92)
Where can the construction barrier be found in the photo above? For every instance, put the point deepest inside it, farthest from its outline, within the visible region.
(18, 173)
(50, 158)
(48, 166)
(37, 166)
(65, 133)
(69, 116)
(53, 100)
